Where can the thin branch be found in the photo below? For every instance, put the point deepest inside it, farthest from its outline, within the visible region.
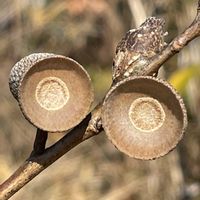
(90, 126)
(39, 143)
(177, 44)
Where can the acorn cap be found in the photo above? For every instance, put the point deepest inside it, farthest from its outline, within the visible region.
(21, 67)
(144, 117)
(55, 93)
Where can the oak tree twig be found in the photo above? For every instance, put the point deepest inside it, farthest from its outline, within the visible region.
(40, 142)
(177, 44)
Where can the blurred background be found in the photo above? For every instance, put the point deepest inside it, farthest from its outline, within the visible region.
(88, 31)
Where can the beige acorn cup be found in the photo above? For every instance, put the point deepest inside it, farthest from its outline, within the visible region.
(144, 117)
(54, 92)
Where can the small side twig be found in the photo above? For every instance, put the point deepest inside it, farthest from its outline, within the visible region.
(36, 163)
(89, 127)
(40, 142)
(177, 44)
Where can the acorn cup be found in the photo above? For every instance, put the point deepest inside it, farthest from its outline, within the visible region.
(54, 92)
(144, 117)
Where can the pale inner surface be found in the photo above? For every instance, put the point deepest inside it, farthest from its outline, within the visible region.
(146, 114)
(52, 93)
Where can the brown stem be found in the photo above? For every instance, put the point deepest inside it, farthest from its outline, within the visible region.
(89, 127)
(177, 44)
(40, 142)
(37, 163)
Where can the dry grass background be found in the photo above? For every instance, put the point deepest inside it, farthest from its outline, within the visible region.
(88, 31)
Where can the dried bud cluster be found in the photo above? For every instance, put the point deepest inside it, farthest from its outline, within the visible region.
(137, 47)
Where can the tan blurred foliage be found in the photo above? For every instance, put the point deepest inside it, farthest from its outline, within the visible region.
(88, 31)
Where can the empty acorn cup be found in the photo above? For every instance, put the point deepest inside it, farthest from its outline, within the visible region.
(54, 92)
(144, 117)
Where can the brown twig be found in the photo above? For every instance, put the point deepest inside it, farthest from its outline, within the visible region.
(35, 164)
(89, 127)
(39, 143)
(177, 44)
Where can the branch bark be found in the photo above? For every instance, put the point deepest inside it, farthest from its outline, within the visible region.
(89, 127)
(40, 142)
(177, 44)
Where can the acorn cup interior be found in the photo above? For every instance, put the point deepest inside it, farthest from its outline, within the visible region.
(55, 94)
(144, 117)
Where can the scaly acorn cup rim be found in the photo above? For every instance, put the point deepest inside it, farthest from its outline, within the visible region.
(116, 136)
(88, 99)
(21, 67)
